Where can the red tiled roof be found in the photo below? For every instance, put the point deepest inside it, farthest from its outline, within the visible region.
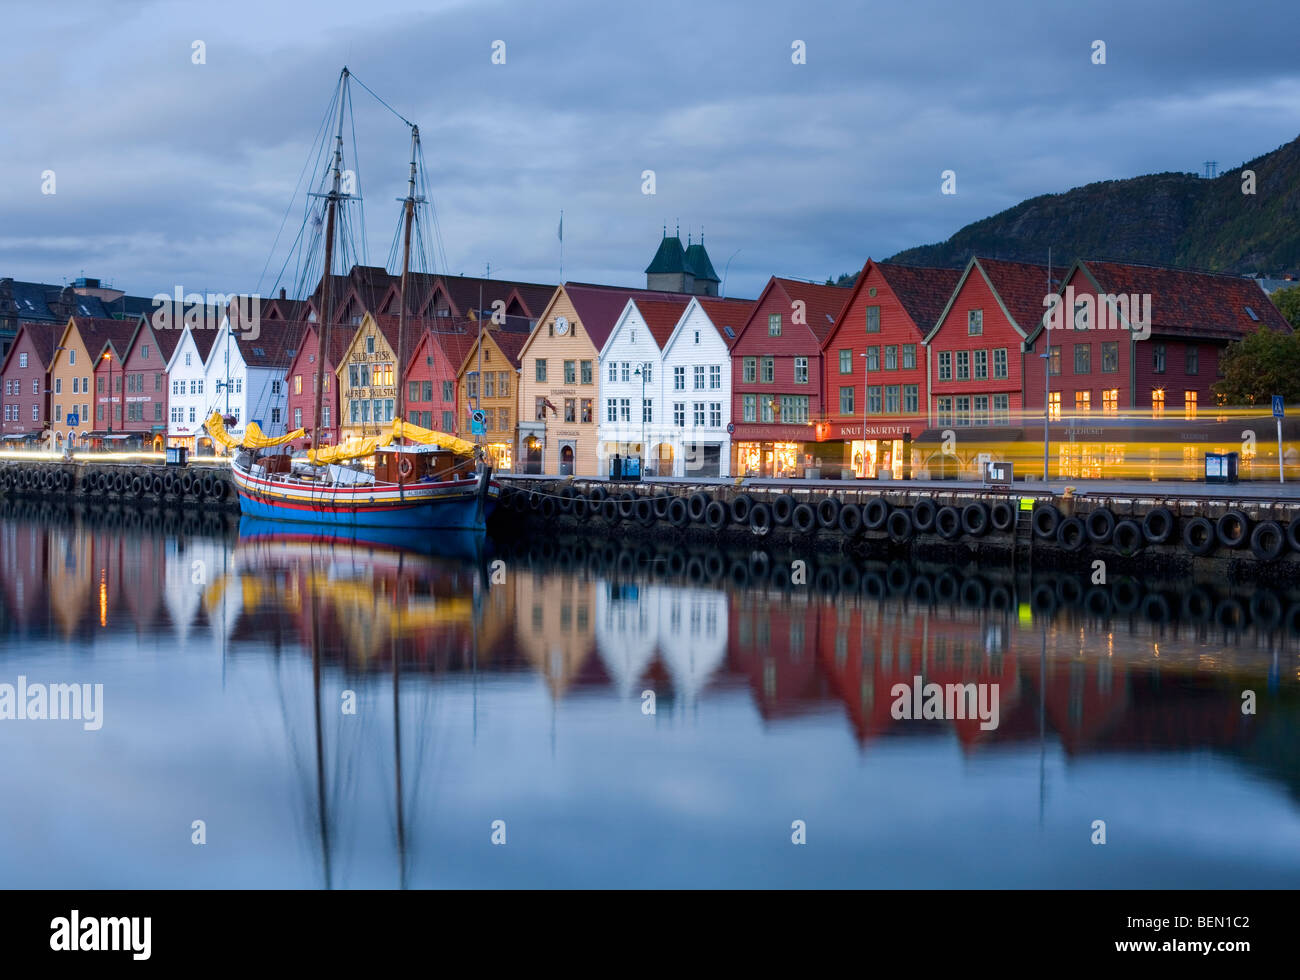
(511, 344)
(1021, 286)
(660, 316)
(275, 346)
(727, 313)
(923, 292)
(44, 336)
(99, 334)
(598, 307)
(416, 328)
(823, 303)
(1187, 302)
(456, 345)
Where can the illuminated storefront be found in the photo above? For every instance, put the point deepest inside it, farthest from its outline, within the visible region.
(500, 454)
(777, 455)
(885, 453)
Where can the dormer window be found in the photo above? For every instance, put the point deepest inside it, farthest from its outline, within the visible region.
(697, 336)
(370, 344)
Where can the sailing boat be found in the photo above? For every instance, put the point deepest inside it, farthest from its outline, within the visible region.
(440, 481)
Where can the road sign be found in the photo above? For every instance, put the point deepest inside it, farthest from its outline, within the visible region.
(1279, 409)
(74, 420)
(731, 428)
(478, 422)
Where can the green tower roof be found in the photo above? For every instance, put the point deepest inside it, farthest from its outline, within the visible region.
(670, 258)
(698, 264)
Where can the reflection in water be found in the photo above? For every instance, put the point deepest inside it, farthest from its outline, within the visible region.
(406, 694)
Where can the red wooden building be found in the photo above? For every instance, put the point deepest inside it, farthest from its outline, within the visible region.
(879, 335)
(441, 344)
(777, 382)
(301, 379)
(144, 371)
(25, 407)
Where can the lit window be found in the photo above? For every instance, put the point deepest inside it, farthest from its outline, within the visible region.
(1083, 401)
(1158, 403)
(1054, 405)
(1189, 404)
(1110, 401)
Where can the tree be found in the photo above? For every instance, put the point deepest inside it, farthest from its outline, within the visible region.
(1288, 303)
(1260, 365)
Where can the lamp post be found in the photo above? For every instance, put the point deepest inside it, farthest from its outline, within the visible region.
(866, 364)
(642, 370)
(1047, 400)
(108, 356)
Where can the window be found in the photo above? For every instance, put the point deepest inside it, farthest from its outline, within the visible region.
(370, 344)
(325, 416)
(58, 390)
(1158, 359)
(413, 391)
(1001, 409)
(891, 358)
(963, 365)
(774, 324)
(679, 376)
(570, 372)
(647, 410)
(981, 365)
(625, 409)
(1083, 402)
(297, 418)
(1158, 403)
(892, 402)
(22, 360)
(540, 405)
(586, 375)
(1110, 401)
(846, 400)
(963, 410)
(911, 399)
(354, 376)
(749, 408)
(35, 413)
(275, 386)
(471, 385)
(1110, 357)
(275, 416)
(1000, 362)
(187, 358)
(697, 336)
(975, 323)
(846, 362)
(541, 369)
(588, 410)
(873, 319)
(490, 420)
(1192, 358)
(873, 399)
(1054, 405)
(715, 414)
(699, 377)
(943, 410)
(58, 413)
(1082, 358)
(448, 391)
(503, 381)
(981, 410)
(489, 384)
(627, 370)
(1189, 404)
(448, 421)
(750, 369)
(715, 376)
(570, 410)
(767, 409)
(192, 411)
(157, 382)
(72, 357)
(697, 415)
(945, 365)
(611, 410)
(769, 370)
(613, 372)
(426, 389)
(909, 356)
(801, 370)
(75, 386)
(354, 411)
(1054, 361)
(873, 358)
(99, 413)
(679, 413)
(505, 419)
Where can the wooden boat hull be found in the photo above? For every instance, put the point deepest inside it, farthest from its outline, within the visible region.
(454, 504)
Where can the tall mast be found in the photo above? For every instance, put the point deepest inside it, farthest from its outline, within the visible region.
(331, 209)
(406, 270)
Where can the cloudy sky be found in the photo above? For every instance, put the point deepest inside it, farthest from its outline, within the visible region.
(174, 173)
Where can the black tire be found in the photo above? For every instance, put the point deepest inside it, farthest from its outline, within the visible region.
(1068, 590)
(644, 510)
(208, 484)
(697, 504)
(899, 524)
(760, 566)
(782, 510)
(661, 501)
(947, 588)
(580, 507)
(156, 485)
(1127, 594)
(1232, 530)
(1197, 605)
(1265, 610)
(974, 593)
(948, 523)
(1158, 525)
(898, 578)
(850, 519)
(119, 483)
(828, 512)
(1230, 614)
(1155, 608)
(137, 487)
(1198, 536)
(1042, 601)
(873, 585)
(1046, 519)
(826, 581)
(850, 578)
(1268, 541)
(1071, 534)
(1100, 525)
(597, 494)
(803, 518)
(875, 513)
(103, 482)
(679, 513)
(1127, 537)
(716, 515)
(738, 573)
(1293, 535)
(564, 503)
(65, 481)
(923, 512)
(741, 505)
(220, 489)
(550, 506)
(626, 504)
(975, 519)
(760, 517)
(922, 589)
(609, 510)
(1002, 516)
(1097, 602)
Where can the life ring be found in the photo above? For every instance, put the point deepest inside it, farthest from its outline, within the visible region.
(405, 467)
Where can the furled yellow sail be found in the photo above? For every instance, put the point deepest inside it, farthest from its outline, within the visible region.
(352, 448)
(253, 437)
(217, 430)
(406, 430)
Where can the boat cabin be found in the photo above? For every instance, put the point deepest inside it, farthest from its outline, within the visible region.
(410, 464)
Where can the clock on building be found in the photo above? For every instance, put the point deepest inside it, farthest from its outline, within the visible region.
(561, 325)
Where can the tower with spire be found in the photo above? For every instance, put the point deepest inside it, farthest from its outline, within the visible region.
(682, 270)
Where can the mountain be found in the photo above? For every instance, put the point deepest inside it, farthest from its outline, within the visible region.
(1160, 219)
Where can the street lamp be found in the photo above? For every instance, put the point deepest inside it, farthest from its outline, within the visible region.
(108, 356)
(866, 364)
(1046, 355)
(642, 370)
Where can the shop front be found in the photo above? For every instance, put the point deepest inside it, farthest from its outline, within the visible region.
(778, 451)
(532, 446)
(885, 453)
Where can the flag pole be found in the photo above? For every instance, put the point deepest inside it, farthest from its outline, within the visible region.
(561, 234)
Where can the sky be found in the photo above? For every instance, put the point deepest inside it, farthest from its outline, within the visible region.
(174, 171)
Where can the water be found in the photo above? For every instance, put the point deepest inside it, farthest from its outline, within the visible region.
(514, 692)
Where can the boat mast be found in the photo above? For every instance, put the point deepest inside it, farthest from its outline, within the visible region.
(406, 269)
(331, 208)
